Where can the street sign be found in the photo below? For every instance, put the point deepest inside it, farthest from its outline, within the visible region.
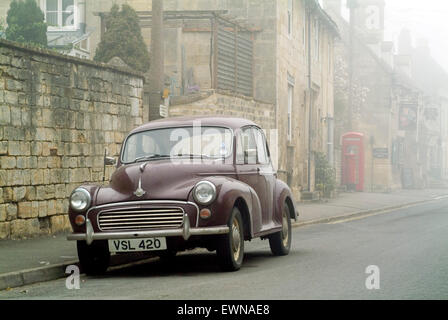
(163, 111)
(408, 117)
(381, 153)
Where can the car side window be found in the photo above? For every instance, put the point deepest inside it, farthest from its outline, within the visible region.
(260, 140)
(239, 149)
(248, 150)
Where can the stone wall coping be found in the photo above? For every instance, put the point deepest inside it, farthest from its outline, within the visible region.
(241, 96)
(68, 59)
(188, 99)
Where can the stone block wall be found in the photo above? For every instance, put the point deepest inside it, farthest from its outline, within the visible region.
(226, 103)
(58, 114)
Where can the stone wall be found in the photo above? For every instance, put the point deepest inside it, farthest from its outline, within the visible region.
(58, 114)
(226, 103)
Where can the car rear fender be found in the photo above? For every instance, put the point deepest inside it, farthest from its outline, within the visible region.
(283, 195)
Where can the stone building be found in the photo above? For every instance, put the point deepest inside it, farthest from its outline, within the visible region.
(432, 80)
(377, 95)
(274, 58)
(364, 94)
(275, 53)
(67, 24)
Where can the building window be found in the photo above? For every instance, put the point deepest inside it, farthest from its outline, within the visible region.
(290, 103)
(290, 17)
(84, 45)
(316, 39)
(304, 18)
(60, 13)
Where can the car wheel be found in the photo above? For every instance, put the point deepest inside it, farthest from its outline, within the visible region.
(230, 248)
(280, 242)
(94, 259)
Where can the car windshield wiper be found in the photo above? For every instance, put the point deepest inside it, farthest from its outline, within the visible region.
(202, 156)
(151, 157)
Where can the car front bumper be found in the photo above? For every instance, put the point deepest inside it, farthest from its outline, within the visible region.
(186, 231)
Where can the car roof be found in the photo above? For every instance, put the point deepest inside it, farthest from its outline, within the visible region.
(218, 121)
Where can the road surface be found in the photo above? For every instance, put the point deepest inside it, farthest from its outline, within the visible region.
(409, 248)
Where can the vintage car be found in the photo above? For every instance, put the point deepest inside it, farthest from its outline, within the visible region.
(183, 183)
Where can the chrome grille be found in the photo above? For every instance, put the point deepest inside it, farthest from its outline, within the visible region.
(140, 219)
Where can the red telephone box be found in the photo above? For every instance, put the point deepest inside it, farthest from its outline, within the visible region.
(353, 161)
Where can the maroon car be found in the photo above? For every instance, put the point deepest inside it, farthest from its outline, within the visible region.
(183, 183)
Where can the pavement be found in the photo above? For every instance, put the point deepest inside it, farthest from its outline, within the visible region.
(348, 204)
(34, 260)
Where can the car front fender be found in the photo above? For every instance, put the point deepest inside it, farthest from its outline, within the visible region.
(231, 192)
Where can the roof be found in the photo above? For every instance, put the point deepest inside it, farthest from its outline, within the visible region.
(314, 5)
(219, 121)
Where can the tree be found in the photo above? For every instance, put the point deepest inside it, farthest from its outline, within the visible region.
(2, 27)
(26, 23)
(123, 39)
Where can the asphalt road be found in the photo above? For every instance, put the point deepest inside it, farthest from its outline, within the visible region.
(328, 261)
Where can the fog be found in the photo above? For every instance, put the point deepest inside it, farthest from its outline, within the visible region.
(426, 20)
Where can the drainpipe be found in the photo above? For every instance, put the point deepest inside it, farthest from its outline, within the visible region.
(352, 5)
(310, 115)
(156, 69)
(82, 17)
(330, 128)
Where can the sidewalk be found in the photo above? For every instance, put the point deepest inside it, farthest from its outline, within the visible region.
(42, 259)
(347, 204)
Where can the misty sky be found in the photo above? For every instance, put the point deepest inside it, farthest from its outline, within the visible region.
(425, 19)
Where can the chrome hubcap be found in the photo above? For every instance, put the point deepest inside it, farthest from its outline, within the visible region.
(236, 239)
(285, 229)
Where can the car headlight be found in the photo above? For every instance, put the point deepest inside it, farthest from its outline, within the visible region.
(204, 192)
(80, 199)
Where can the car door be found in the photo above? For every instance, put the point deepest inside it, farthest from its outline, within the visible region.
(266, 176)
(251, 168)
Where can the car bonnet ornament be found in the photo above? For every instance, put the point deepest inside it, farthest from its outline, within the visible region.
(140, 192)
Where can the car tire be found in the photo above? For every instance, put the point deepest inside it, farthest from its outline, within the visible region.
(280, 242)
(94, 259)
(230, 247)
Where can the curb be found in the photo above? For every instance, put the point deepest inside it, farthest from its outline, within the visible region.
(56, 271)
(30, 276)
(359, 214)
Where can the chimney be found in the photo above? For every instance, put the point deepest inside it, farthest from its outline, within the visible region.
(403, 64)
(422, 47)
(405, 42)
(387, 52)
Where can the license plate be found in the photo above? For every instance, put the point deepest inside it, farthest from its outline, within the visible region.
(137, 245)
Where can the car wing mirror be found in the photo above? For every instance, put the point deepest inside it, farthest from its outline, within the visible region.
(110, 161)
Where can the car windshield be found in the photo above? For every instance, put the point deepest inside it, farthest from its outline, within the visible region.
(193, 142)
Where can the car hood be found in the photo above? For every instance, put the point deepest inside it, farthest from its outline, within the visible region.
(161, 180)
